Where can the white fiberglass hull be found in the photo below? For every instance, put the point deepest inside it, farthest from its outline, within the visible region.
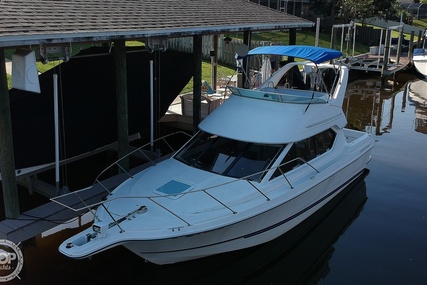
(278, 217)
(420, 62)
(251, 232)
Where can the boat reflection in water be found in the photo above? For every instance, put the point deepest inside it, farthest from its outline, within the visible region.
(300, 256)
(418, 97)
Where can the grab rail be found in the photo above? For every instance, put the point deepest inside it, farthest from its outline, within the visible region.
(140, 150)
(207, 191)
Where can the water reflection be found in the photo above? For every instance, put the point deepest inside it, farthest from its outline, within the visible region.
(418, 98)
(299, 257)
(370, 106)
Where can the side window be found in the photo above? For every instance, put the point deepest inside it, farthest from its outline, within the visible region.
(306, 149)
(324, 141)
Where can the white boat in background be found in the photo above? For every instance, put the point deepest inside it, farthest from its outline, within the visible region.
(262, 162)
(419, 59)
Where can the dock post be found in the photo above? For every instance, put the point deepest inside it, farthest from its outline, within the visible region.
(316, 40)
(7, 159)
(122, 102)
(333, 37)
(247, 38)
(292, 41)
(385, 58)
(214, 62)
(399, 45)
(411, 46)
(419, 41)
(197, 81)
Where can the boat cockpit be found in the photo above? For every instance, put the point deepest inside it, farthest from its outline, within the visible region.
(252, 161)
(304, 76)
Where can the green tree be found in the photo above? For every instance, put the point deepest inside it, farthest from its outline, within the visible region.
(349, 10)
(356, 9)
(325, 7)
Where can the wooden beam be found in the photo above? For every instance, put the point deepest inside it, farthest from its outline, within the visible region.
(214, 61)
(7, 159)
(411, 46)
(292, 41)
(292, 37)
(122, 102)
(197, 81)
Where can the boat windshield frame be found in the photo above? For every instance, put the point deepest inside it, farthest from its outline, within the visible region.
(229, 157)
(282, 95)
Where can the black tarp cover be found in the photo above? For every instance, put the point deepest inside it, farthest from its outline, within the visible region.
(88, 102)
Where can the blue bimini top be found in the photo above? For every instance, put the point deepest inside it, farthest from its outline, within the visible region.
(314, 54)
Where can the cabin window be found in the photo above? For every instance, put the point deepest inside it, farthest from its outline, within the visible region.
(228, 157)
(306, 149)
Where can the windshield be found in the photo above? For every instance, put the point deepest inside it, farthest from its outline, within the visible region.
(228, 157)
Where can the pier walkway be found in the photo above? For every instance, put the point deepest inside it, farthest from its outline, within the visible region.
(51, 214)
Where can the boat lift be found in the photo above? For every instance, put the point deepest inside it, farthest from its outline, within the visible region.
(379, 58)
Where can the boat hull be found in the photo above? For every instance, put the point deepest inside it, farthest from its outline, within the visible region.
(420, 62)
(252, 231)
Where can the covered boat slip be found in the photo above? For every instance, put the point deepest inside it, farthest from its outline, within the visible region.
(32, 26)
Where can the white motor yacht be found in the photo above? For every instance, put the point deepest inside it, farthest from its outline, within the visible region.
(262, 162)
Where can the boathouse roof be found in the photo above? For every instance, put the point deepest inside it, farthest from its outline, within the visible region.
(31, 22)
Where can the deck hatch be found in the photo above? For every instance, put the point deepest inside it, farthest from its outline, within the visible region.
(173, 187)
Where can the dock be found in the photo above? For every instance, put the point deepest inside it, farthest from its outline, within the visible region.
(386, 57)
(49, 215)
(375, 63)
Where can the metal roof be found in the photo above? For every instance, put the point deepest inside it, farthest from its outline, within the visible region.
(28, 22)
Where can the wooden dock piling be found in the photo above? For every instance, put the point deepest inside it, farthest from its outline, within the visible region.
(122, 102)
(385, 60)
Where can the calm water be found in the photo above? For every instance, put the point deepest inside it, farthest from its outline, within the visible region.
(375, 232)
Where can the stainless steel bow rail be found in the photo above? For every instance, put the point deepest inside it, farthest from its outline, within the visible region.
(76, 200)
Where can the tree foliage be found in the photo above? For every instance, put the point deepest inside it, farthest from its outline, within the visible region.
(348, 10)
